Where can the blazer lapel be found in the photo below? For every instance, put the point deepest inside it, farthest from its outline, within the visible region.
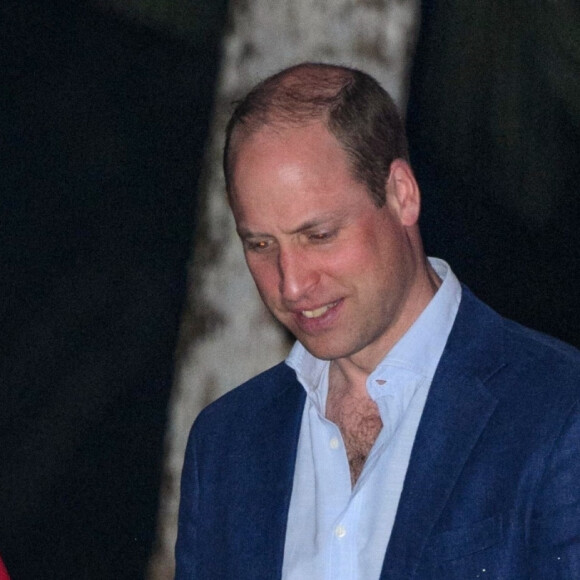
(457, 410)
(270, 475)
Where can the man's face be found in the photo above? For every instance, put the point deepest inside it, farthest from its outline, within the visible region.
(338, 272)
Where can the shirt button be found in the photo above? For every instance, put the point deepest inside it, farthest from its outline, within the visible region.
(340, 531)
(334, 444)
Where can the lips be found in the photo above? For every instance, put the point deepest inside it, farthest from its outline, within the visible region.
(318, 312)
(311, 321)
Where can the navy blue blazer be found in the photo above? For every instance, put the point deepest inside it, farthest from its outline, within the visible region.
(493, 485)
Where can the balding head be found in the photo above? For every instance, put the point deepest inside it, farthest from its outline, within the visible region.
(351, 104)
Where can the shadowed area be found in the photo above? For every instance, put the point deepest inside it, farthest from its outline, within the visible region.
(494, 129)
(103, 124)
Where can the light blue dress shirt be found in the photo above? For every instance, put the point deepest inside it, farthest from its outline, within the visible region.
(335, 531)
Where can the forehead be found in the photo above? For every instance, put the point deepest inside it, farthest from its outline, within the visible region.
(289, 174)
(307, 152)
(264, 135)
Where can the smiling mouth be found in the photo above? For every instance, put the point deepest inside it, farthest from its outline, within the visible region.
(319, 311)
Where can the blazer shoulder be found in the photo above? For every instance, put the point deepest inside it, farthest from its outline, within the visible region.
(541, 345)
(513, 350)
(544, 359)
(247, 399)
(483, 343)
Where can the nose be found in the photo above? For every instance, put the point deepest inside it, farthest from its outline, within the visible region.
(297, 274)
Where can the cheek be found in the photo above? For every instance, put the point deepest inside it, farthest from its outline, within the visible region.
(353, 257)
(265, 276)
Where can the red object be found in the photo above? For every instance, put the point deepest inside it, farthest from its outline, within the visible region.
(3, 571)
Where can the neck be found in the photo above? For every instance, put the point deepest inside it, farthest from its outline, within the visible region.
(349, 374)
(346, 378)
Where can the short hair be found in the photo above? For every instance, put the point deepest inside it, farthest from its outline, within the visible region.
(352, 104)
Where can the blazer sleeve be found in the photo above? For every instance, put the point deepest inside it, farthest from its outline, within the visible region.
(185, 547)
(555, 529)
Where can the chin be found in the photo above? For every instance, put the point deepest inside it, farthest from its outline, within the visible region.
(324, 352)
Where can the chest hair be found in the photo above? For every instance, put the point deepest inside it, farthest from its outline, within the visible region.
(359, 422)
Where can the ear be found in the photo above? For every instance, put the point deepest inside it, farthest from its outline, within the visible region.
(402, 191)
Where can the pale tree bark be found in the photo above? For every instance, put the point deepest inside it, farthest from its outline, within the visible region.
(227, 335)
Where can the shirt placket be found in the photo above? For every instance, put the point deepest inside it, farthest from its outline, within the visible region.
(343, 541)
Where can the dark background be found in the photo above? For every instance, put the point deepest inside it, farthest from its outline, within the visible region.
(102, 128)
(494, 128)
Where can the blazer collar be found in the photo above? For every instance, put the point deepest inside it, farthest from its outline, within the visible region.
(457, 410)
(277, 428)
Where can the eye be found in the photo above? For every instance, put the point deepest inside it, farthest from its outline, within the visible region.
(257, 245)
(321, 237)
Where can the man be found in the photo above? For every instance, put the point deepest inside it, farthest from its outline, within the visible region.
(412, 432)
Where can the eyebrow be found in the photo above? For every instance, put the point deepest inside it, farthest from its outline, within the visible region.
(310, 224)
(245, 234)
